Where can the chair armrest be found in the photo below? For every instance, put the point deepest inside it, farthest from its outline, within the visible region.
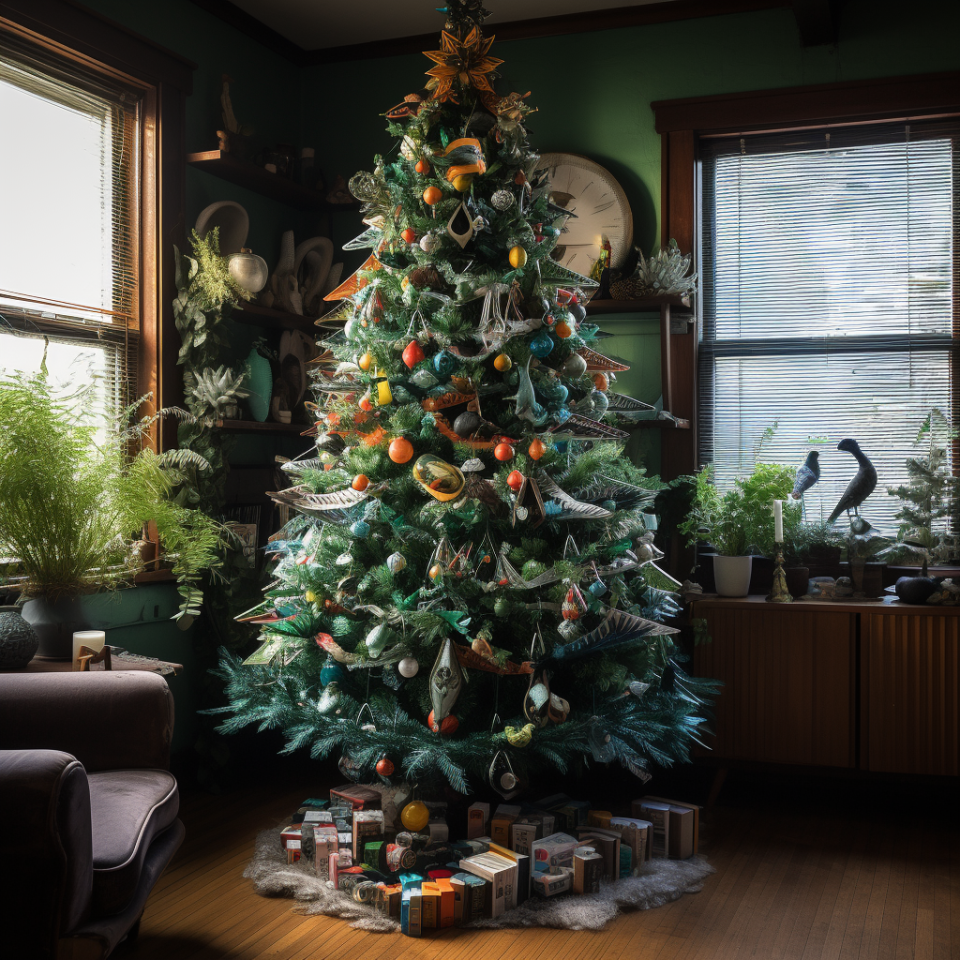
(108, 720)
(46, 850)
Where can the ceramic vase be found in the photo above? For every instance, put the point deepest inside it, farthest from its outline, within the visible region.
(259, 381)
(732, 575)
(55, 625)
(18, 640)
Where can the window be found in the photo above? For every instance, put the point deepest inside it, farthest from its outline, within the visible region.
(827, 261)
(69, 223)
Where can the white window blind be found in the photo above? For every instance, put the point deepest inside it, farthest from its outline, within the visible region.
(69, 215)
(828, 301)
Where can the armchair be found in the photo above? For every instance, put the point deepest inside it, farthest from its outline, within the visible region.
(88, 809)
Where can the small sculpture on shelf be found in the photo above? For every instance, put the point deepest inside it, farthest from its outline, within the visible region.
(667, 273)
(860, 487)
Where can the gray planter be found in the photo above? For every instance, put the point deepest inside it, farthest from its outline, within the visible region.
(18, 640)
(55, 625)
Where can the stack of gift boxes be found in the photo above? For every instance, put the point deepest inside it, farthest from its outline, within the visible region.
(513, 852)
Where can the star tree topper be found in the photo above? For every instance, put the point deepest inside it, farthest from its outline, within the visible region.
(466, 60)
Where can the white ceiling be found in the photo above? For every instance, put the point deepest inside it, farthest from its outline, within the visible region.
(317, 24)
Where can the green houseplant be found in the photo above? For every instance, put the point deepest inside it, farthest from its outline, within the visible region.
(73, 500)
(738, 521)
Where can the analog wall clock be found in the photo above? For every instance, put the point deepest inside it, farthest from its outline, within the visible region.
(594, 195)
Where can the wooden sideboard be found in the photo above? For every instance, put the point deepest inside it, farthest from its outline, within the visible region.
(866, 686)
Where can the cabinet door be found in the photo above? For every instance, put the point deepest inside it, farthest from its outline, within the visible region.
(788, 676)
(910, 684)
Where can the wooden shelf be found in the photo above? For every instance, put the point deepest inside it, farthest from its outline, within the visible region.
(678, 424)
(247, 174)
(646, 305)
(254, 315)
(253, 426)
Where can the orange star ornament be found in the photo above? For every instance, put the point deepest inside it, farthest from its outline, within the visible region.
(466, 60)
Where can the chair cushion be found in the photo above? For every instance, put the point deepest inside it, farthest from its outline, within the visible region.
(129, 808)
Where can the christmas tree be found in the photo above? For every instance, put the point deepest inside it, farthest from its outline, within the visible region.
(468, 589)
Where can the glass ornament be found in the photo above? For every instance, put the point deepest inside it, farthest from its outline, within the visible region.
(378, 638)
(440, 562)
(360, 528)
(396, 562)
(574, 366)
(444, 363)
(542, 345)
(248, 270)
(415, 816)
(442, 480)
(501, 200)
(408, 667)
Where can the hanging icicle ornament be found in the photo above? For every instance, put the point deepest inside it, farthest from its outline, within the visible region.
(446, 681)
(369, 726)
(501, 775)
(440, 561)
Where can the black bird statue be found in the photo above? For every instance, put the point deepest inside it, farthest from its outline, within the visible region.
(807, 475)
(861, 486)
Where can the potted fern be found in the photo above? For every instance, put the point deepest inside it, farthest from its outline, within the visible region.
(73, 502)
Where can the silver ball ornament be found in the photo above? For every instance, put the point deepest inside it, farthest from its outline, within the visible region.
(508, 781)
(574, 365)
(568, 629)
(501, 200)
(396, 562)
(408, 667)
(428, 243)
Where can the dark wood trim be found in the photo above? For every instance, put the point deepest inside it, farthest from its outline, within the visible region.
(250, 26)
(816, 21)
(103, 43)
(857, 101)
(587, 21)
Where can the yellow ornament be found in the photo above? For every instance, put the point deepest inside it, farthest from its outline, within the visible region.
(521, 737)
(384, 394)
(462, 183)
(518, 257)
(415, 816)
(503, 363)
(436, 572)
(366, 361)
(404, 283)
(311, 596)
(440, 479)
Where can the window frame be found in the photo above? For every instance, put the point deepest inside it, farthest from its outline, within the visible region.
(683, 123)
(78, 36)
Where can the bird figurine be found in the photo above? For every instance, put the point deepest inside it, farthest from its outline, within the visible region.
(807, 475)
(860, 487)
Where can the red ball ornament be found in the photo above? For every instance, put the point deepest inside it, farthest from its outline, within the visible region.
(503, 451)
(447, 726)
(410, 235)
(422, 166)
(360, 482)
(385, 767)
(515, 480)
(536, 449)
(412, 354)
(365, 403)
(570, 609)
(400, 450)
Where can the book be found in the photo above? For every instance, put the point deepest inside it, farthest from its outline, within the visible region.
(587, 872)
(550, 884)
(478, 815)
(447, 901)
(501, 873)
(356, 796)
(599, 818)
(503, 817)
(410, 910)
(429, 905)
(367, 827)
(607, 844)
(552, 853)
(470, 897)
(387, 902)
(681, 843)
(659, 815)
(680, 803)
(522, 860)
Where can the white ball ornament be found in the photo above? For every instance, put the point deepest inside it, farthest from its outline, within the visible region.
(428, 243)
(508, 781)
(396, 562)
(408, 667)
(574, 365)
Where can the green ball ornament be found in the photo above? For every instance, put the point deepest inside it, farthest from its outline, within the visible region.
(415, 816)
(501, 607)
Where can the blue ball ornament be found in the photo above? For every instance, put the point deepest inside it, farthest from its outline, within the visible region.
(332, 672)
(541, 345)
(360, 528)
(444, 363)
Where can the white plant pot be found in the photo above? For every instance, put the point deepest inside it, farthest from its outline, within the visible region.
(732, 575)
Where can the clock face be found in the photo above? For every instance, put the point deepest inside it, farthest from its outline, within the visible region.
(593, 194)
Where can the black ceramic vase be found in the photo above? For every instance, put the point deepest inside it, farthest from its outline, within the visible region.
(55, 625)
(18, 640)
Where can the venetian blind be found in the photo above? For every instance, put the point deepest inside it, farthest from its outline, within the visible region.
(69, 221)
(828, 301)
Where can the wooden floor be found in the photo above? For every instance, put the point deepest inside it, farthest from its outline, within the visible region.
(806, 868)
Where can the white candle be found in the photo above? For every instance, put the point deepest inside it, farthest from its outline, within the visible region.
(778, 521)
(94, 639)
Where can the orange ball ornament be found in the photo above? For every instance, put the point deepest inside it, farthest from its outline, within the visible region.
(563, 330)
(365, 362)
(502, 363)
(447, 726)
(422, 166)
(365, 403)
(409, 235)
(360, 482)
(515, 480)
(536, 449)
(432, 195)
(385, 767)
(400, 450)
(503, 451)
(600, 382)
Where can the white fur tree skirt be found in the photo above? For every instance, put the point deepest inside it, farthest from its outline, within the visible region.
(661, 882)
